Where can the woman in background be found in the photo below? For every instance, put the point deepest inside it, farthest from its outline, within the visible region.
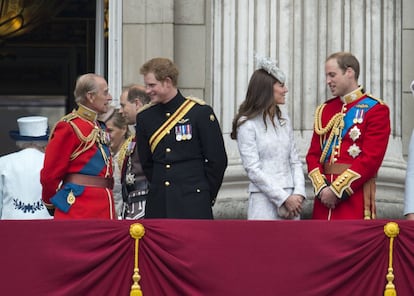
(120, 139)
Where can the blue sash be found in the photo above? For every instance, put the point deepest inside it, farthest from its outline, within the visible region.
(357, 111)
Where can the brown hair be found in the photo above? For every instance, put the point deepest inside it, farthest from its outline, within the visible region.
(119, 121)
(345, 60)
(259, 100)
(162, 68)
(138, 92)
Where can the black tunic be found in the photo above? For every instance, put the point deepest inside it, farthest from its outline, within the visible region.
(185, 174)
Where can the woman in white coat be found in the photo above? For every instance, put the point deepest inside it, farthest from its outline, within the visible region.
(267, 147)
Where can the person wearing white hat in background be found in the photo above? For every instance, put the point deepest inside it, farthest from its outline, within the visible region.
(20, 188)
(409, 178)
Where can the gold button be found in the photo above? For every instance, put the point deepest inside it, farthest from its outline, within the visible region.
(168, 150)
(167, 166)
(166, 183)
(168, 114)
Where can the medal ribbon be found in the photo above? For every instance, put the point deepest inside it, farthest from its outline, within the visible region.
(351, 114)
(170, 123)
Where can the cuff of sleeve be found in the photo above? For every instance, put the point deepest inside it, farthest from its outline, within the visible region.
(318, 180)
(342, 184)
(48, 205)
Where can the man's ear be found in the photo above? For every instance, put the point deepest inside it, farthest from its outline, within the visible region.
(168, 81)
(350, 72)
(138, 104)
(89, 96)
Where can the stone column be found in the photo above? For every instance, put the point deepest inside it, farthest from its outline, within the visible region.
(300, 35)
(148, 31)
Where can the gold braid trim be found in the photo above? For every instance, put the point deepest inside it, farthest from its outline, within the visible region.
(318, 180)
(123, 151)
(343, 182)
(86, 142)
(336, 124)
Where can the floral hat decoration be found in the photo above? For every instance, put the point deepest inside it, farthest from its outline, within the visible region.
(270, 66)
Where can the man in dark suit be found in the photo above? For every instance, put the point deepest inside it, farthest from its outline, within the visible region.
(180, 146)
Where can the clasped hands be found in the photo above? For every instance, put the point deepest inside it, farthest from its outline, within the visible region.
(328, 198)
(293, 205)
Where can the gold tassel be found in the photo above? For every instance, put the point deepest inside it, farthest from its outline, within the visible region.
(136, 231)
(391, 229)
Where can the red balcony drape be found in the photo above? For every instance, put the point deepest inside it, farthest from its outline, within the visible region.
(212, 258)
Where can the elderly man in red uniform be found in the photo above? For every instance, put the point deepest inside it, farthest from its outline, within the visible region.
(77, 173)
(348, 145)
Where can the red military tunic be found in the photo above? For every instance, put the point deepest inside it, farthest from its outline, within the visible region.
(78, 147)
(357, 143)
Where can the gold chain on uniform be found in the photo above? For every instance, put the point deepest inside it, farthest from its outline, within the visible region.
(335, 124)
(88, 142)
(123, 151)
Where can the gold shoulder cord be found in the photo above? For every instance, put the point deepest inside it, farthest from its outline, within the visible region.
(123, 151)
(336, 124)
(86, 142)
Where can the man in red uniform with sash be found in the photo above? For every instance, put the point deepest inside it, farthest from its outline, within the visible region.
(348, 145)
(77, 173)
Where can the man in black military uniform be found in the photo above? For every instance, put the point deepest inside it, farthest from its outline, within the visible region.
(134, 183)
(180, 146)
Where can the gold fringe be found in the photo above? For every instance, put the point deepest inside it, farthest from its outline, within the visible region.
(136, 231)
(391, 229)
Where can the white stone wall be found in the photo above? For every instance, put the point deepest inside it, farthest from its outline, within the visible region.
(213, 42)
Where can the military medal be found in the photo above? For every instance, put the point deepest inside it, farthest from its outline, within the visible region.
(354, 133)
(130, 178)
(178, 135)
(354, 150)
(183, 132)
(359, 116)
(130, 148)
(104, 137)
(188, 131)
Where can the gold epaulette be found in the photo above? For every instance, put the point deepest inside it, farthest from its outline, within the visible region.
(70, 116)
(66, 118)
(197, 100)
(377, 99)
(147, 106)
